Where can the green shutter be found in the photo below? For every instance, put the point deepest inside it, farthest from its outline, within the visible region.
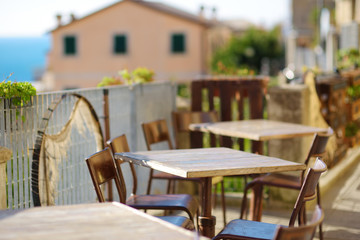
(120, 44)
(70, 45)
(178, 43)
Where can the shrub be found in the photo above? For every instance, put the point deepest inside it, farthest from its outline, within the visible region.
(19, 92)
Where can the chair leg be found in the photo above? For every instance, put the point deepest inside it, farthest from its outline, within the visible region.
(223, 202)
(148, 190)
(200, 194)
(257, 202)
(168, 189)
(173, 188)
(321, 237)
(214, 195)
(244, 203)
(245, 180)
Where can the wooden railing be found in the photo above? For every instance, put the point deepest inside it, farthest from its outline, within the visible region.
(239, 98)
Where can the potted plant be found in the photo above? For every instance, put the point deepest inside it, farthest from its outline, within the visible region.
(139, 75)
(16, 95)
(351, 134)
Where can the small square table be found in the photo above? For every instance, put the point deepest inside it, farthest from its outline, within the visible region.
(206, 163)
(87, 221)
(257, 129)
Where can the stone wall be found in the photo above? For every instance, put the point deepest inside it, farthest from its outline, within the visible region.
(288, 103)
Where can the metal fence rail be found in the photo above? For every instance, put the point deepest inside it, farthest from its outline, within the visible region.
(128, 107)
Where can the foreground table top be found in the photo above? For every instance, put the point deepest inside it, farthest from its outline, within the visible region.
(257, 129)
(87, 221)
(208, 162)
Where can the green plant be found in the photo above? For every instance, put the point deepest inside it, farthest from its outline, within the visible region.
(19, 92)
(353, 92)
(348, 58)
(139, 75)
(110, 81)
(246, 52)
(351, 130)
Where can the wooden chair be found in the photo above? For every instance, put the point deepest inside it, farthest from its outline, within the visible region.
(156, 132)
(317, 149)
(305, 232)
(181, 122)
(245, 229)
(102, 169)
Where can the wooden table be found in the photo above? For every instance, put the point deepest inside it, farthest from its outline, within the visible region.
(257, 129)
(87, 221)
(207, 163)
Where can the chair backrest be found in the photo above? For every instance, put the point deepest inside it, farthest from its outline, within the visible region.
(102, 170)
(304, 232)
(120, 144)
(308, 188)
(318, 147)
(156, 132)
(182, 120)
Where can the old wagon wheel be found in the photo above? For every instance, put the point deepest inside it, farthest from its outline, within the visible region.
(51, 149)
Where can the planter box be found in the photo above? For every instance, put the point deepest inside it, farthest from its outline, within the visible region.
(354, 110)
(353, 141)
(353, 77)
(15, 113)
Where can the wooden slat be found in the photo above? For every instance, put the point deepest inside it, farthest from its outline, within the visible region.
(209, 162)
(88, 221)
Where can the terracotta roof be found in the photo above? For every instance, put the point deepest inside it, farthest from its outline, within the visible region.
(157, 6)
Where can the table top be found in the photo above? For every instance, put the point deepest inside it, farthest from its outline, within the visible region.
(208, 162)
(87, 221)
(257, 129)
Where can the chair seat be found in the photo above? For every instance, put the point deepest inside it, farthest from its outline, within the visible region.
(279, 180)
(244, 229)
(179, 221)
(183, 202)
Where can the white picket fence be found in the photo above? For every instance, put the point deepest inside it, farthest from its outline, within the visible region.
(128, 107)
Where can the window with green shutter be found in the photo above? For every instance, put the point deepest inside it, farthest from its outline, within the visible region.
(70, 45)
(178, 43)
(120, 44)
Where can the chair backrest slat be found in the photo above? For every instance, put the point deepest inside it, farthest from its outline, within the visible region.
(102, 170)
(318, 147)
(117, 145)
(308, 189)
(156, 132)
(182, 120)
(305, 232)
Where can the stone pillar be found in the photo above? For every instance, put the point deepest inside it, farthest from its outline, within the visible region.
(288, 103)
(330, 50)
(291, 48)
(5, 155)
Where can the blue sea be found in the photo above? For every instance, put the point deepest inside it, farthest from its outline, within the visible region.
(25, 57)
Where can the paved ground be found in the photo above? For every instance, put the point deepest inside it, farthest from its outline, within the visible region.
(341, 205)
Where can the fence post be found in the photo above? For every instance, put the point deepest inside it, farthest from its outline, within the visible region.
(5, 155)
(107, 133)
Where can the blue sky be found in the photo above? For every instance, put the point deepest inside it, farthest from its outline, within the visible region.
(36, 17)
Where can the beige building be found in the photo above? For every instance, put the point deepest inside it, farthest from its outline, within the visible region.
(304, 19)
(347, 11)
(348, 23)
(127, 34)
